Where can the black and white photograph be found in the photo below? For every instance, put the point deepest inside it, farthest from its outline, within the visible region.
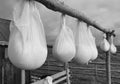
(59, 41)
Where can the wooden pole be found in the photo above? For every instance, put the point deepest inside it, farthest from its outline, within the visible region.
(67, 72)
(3, 72)
(59, 6)
(22, 76)
(108, 62)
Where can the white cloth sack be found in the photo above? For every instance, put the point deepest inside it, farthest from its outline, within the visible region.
(113, 48)
(27, 44)
(83, 44)
(93, 44)
(64, 46)
(104, 45)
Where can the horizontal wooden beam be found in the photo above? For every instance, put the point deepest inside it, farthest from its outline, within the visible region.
(56, 5)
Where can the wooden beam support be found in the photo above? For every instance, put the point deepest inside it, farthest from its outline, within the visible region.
(108, 62)
(56, 5)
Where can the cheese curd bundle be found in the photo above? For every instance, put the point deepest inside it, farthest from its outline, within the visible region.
(113, 48)
(104, 45)
(86, 49)
(27, 44)
(64, 47)
(93, 45)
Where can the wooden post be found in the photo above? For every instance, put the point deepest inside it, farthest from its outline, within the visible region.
(108, 62)
(22, 76)
(25, 77)
(67, 72)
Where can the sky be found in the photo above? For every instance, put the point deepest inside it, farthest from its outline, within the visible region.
(104, 12)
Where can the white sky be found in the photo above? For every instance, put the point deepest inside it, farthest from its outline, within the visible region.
(104, 12)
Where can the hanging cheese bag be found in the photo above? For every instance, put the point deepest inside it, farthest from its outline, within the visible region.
(104, 45)
(113, 48)
(27, 44)
(83, 49)
(93, 45)
(64, 46)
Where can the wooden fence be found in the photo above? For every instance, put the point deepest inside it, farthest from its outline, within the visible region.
(93, 73)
